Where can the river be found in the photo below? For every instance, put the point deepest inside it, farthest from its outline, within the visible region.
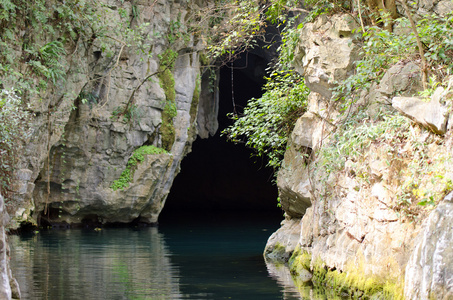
(207, 256)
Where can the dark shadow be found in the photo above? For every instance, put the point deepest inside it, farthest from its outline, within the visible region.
(219, 175)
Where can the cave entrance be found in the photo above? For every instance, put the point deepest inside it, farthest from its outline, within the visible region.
(219, 176)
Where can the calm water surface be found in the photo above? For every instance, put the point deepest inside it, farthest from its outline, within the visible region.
(204, 257)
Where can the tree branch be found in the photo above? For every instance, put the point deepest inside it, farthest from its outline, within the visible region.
(424, 68)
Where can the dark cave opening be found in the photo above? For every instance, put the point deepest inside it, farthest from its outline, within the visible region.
(218, 175)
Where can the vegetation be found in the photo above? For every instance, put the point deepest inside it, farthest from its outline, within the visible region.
(167, 82)
(382, 49)
(137, 157)
(267, 122)
(413, 158)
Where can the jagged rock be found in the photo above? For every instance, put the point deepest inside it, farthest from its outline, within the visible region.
(293, 178)
(431, 115)
(429, 273)
(346, 224)
(428, 7)
(208, 109)
(302, 135)
(403, 79)
(283, 242)
(326, 52)
(293, 184)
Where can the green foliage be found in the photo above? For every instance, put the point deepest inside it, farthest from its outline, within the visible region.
(130, 113)
(230, 26)
(267, 122)
(168, 59)
(409, 153)
(57, 25)
(14, 131)
(382, 49)
(137, 157)
(51, 56)
(176, 31)
(350, 141)
(437, 36)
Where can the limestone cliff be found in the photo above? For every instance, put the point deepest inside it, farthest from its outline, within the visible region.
(111, 102)
(351, 206)
(9, 288)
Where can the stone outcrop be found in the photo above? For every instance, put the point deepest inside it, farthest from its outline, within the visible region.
(108, 106)
(431, 115)
(283, 242)
(326, 52)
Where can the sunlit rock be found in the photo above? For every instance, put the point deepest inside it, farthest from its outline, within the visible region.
(429, 273)
(430, 114)
(282, 243)
(326, 52)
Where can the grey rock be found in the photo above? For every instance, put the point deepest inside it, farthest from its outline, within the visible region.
(89, 147)
(443, 8)
(282, 243)
(8, 284)
(401, 79)
(208, 107)
(302, 135)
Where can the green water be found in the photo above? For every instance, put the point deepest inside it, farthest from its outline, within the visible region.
(185, 257)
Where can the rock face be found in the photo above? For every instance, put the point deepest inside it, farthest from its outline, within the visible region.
(9, 288)
(107, 107)
(326, 53)
(429, 273)
(350, 216)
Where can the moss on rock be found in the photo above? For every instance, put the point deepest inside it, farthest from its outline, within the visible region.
(137, 156)
(352, 282)
(167, 82)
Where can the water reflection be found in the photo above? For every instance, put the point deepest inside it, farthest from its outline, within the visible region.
(282, 274)
(185, 259)
(110, 264)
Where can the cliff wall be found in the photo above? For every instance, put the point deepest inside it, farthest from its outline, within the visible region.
(109, 136)
(363, 188)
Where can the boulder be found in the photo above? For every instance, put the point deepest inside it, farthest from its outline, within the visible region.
(283, 242)
(443, 8)
(403, 79)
